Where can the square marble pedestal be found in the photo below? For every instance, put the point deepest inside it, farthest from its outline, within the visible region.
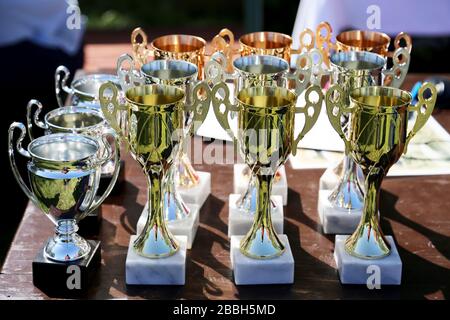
(240, 184)
(336, 220)
(249, 271)
(199, 193)
(239, 221)
(164, 271)
(353, 270)
(329, 179)
(186, 227)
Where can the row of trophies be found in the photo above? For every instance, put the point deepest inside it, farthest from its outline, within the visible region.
(153, 107)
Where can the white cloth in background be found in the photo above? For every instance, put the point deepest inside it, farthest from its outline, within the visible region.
(42, 22)
(416, 17)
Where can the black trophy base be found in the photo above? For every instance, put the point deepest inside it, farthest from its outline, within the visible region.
(66, 279)
(106, 179)
(90, 225)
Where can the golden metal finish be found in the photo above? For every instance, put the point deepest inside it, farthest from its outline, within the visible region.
(266, 138)
(378, 137)
(266, 43)
(152, 131)
(378, 42)
(175, 47)
(224, 43)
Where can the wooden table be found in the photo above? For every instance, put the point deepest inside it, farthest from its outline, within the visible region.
(415, 210)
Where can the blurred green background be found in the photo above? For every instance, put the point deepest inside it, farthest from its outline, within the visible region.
(246, 15)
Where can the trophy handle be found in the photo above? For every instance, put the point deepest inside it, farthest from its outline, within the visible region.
(405, 37)
(140, 50)
(310, 118)
(222, 117)
(220, 44)
(110, 106)
(334, 101)
(323, 42)
(424, 107)
(103, 160)
(201, 100)
(302, 74)
(24, 153)
(395, 76)
(215, 68)
(307, 41)
(128, 77)
(61, 76)
(35, 118)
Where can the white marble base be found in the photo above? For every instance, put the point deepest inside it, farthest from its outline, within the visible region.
(240, 222)
(240, 184)
(261, 271)
(353, 270)
(336, 220)
(199, 193)
(163, 271)
(186, 227)
(329, 179)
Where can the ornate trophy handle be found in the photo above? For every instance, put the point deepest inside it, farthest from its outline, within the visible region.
(305, 44)
(24, 153)
(128, 77)
(110, 107)
(220, 44)
(323, 42)
(140, 50)
(334, 101)
(310, 118)
(424, 107)
(103, 160)
(61, 76)
(408, 42)
(215, 68)
(35, 118)
(222, 117)
(201, 100)
(302, 74)
(395, 76)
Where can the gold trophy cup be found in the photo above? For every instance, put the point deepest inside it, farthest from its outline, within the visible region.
(152, 128)
(376, 140)
(266, 138)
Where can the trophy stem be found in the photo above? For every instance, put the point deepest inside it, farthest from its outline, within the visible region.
(174, 207)
(186, 175)
(247, 200)
(155, 241)
(262, 242)
(66, 245)
(368, 241)
(348, 193)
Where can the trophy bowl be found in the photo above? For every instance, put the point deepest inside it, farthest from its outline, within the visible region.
(78, 119)
(373, 41)
(64, 173)
(83, 90)
(173, 47)
(378, 137)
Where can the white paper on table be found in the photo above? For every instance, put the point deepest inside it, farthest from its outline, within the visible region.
(211, 128)
(428, 154)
